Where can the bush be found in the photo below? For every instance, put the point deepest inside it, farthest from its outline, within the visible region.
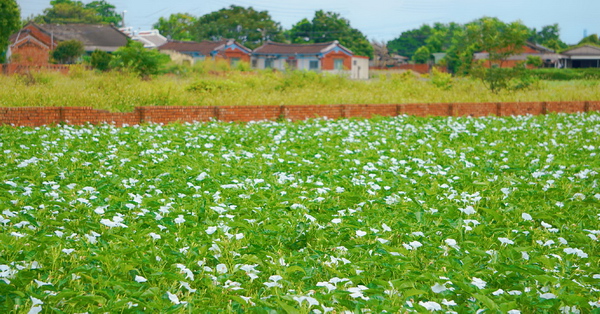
(441, 79)
(566, 74)
(68, 51)
(100, 60)
(137, 59)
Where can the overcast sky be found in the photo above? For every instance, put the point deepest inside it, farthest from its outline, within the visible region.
(377, 19)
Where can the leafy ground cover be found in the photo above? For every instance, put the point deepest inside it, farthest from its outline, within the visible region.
(398, 214)
(122, 92)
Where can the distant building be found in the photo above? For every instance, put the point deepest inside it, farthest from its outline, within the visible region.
(321, 57)
(190, 52)
(33, 43)
(151, 39)
(586, 56)
(548, 56)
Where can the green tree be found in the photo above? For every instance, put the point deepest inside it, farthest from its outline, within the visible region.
(409, 41)
(330, 26)
(422, 55)
(68, 51)
(70, 12)
(9, 23)
(591, 39)
(549, 37)
(137, 59)
(100, 60)
(106, 11)
(246, 25)
(177, 26)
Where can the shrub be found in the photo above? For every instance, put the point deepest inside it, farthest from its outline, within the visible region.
(134, 57)
(100, 60)
(68, 51)
(441, 79)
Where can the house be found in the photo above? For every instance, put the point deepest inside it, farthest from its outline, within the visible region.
(33, 43)
(548, 56)
(586, 56)
(151, 39)
(330, 56)
(191, 52)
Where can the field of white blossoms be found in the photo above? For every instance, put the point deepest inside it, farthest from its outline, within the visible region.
(398, 214)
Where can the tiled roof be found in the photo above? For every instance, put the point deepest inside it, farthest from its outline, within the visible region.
(586, 50)
(279, 48)
(205, 47)
(103, 37)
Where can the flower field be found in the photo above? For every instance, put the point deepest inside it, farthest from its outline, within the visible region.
(398, 214)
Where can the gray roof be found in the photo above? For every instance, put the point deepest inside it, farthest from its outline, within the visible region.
(279, 48)
(93, 36)
(586, 50)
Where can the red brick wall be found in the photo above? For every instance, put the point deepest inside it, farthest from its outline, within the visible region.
(30, 53)
(328, 63)
(36, 116)
(235, 53)
(12, 68)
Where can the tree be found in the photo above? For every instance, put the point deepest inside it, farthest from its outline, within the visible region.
(409, 41)
(68, 51)
(71, 12)
(135, 58)
(549, 37)
(100, 60)
(246, 25)
(178, 26)
(106, 11)
(330, 26)
(592, 39)
(422, 55)
(9, 23)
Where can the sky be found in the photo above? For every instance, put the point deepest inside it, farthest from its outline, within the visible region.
(381, 20)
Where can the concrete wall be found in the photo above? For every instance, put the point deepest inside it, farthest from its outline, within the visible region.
(37, 116)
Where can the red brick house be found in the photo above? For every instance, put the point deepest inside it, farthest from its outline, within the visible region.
(328, 56)
(548, 56)
(191, 52)
(33, 43)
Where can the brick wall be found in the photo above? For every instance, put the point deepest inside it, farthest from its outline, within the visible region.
(16, 68)
(36, 116)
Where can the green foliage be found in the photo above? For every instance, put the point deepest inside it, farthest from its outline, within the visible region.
(246, 25)
(409, 41)
(566, 74)
(68, 51)
(76, 12)
(9, 23)
(422, 55)
(591, 39)
(549, 37)
(534, 61)
(100, 60)
(441, 79)
(393, 214)
(137, 59)
(177, 26)
(497, 79)
(330, 26)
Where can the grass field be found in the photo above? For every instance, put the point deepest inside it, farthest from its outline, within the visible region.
(122, 92)
(399, 214)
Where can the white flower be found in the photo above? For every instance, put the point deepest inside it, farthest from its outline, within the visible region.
(174, 298)
(386, 227)
(449, 303)
(211, 230)
(469, 210)
(336, 221)
(478, 283)
(431, 306)
(577, 252)
(140, 279)
(498, 292)
(154, 235)
(526, 216)
(452, 243)
(68, 251)
(310, 300)
(506, 241)
(548, 296)
(360, 233)
(579, 196)
(179, 219)
(546, 225)
(36, 306)
(221, 268)
(513, 312)
(437, 288)
(524, 255)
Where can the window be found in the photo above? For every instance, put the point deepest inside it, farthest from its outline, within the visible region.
(254, 63)
(338, 64)
(313, 65)
(291, 63)
(235, 61)
(268, 63)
